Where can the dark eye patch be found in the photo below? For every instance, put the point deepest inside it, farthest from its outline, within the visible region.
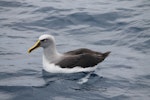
(44, 40)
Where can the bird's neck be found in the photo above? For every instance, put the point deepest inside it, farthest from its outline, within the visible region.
(51, 55)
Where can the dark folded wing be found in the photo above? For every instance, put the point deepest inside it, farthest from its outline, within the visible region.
(82, 60)
(82, 51)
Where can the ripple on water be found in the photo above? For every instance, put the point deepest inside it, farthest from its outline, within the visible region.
(120, 26)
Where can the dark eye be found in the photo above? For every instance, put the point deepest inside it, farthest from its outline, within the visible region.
(44, 40)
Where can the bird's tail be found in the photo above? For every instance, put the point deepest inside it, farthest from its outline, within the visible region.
(106, 54)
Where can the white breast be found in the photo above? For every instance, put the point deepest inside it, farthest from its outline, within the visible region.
(52, 68)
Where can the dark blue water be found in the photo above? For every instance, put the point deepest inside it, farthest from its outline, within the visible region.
(119, 26)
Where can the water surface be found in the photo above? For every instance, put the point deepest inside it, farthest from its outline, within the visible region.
(119, 26)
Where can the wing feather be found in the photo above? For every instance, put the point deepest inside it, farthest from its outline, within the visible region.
(81, 60)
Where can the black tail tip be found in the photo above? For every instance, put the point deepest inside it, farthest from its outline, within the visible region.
(106, 53)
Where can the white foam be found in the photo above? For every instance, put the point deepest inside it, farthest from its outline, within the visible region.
(84, 79)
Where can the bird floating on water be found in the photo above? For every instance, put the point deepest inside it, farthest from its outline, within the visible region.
(79, 60)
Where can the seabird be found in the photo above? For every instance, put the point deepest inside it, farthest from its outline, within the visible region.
(79, 60)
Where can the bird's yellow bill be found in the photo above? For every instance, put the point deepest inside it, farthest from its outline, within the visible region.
(36, 45)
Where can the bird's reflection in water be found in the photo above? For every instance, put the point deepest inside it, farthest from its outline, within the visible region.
(52, 77)
(75, 81)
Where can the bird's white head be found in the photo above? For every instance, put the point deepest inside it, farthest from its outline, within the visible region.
(44, 41)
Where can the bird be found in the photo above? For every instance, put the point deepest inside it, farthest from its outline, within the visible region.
(74, 61)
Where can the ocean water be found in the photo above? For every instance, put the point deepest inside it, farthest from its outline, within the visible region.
(119, 26)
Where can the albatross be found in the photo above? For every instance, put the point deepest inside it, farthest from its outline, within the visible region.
(79, 60)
